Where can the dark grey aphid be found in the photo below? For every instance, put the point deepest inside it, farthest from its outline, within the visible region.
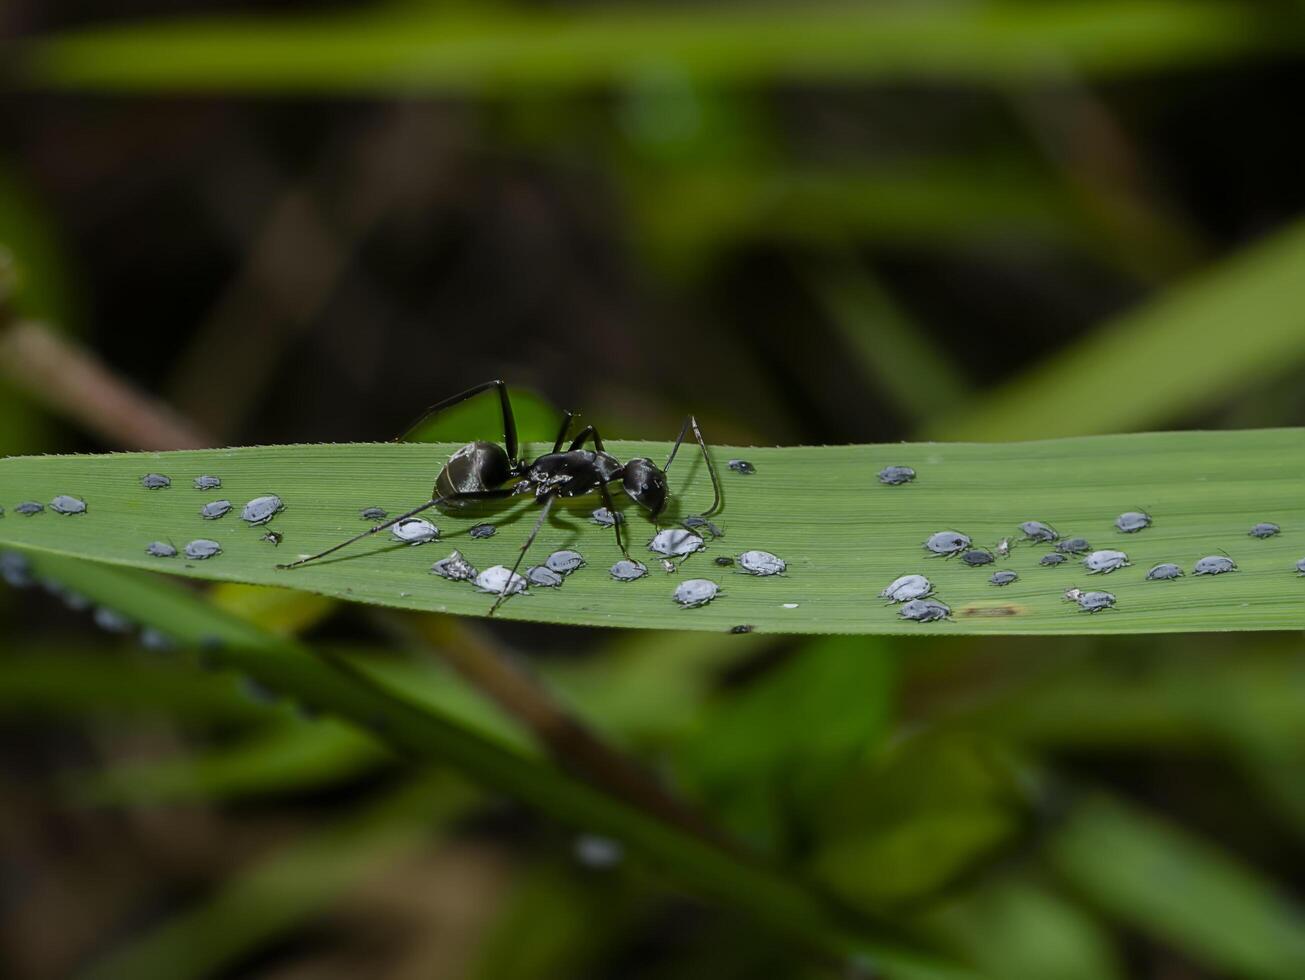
(29, 507)
(372, 514)
(543, 576)
(1052, 559)
(273, 538)
(564, 562)
(696, 592)
(160, 549)
(1003, 578)
(947, 542)
(1300, 566)
(1104, 562)
(455, 568)
(202, 548)
(1037, 531)
(977, 557)
(1133, 521)
(64, 504)
(207, 483)
(215, 509)
(742, 628)
(155, 481)
(1073, 546)
(604, 517)
(112, 621)
(1264, 530)
(924, 610)
(1094, 602)
(627, 570)
(762, 563)
(1214, 565)
(483, 531)
(260, 510)
(723, 560)
(1163, 571)
(896, 475)
(702, 522)
(741, 466)
(15, 569)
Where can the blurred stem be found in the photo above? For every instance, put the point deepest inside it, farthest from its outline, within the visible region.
(73, 383)
(572, 743)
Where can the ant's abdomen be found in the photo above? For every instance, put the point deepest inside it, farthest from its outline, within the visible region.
(476, 466)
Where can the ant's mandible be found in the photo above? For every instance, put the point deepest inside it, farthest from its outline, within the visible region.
(481, 471)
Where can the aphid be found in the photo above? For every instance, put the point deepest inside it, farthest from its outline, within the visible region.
(1133, 521)
(207, 483)
(372, 514)
(273, 538)
(160, 549)
(669, 567)
(896, 475)
(455, 568)
(1264, 530)
(564, 562)
(1052, 559)
(483, 531)
(15, 569)
(64, 504)
(696, 592)
(215, 509)
(1214, 565)
(1165, 570)
(702, 522)
(202, 548)
(723, 560)
(924, 610)
(1037, 531)
(1073, 546)
(1103, 562)
(741, 466)
(489, 471)
(607, 518)
(156, 641)
(260, 510)
(947, 542)
(543, 576)
(1094, 602)
(501, 580)
(597, 852)
(627, 570)
(762, 563)
(2, 512)
(1003, 578)
(1073, 594)
(1003, 548)
(906, 588)
(155, 481)
(112, 621)
(742, 628)
(675, 542)
(29, 507)
(977, 557)
(414, 530)
(1300, 566)
(75, 601)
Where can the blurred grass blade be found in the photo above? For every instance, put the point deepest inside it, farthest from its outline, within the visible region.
(1157, 878)
(510, 51)
(330, 685)
(1238, 324)
(844, 535)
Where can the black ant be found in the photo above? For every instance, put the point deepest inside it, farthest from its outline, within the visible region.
(479, 470)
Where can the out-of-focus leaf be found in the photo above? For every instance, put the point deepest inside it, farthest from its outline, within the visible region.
(507, 51)
(288, 887)
(481, 418)
(279, 611)
(1235, 324)
(1158, 878)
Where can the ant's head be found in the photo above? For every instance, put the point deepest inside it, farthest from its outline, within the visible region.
(646, 485)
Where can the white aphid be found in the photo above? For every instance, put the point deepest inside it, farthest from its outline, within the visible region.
(762, 563)
(415, 530)
(496, 577)
(675, 542)
(1105, 561)
(906, 588)
(696, 592)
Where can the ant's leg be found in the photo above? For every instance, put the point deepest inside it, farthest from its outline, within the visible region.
(469, 495)
(507, 584)
(561, 433)
(691, 422)
(616, 517)
(587, 433)
(505, 404)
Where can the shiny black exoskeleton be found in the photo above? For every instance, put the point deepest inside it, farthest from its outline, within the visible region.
(485, 471)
